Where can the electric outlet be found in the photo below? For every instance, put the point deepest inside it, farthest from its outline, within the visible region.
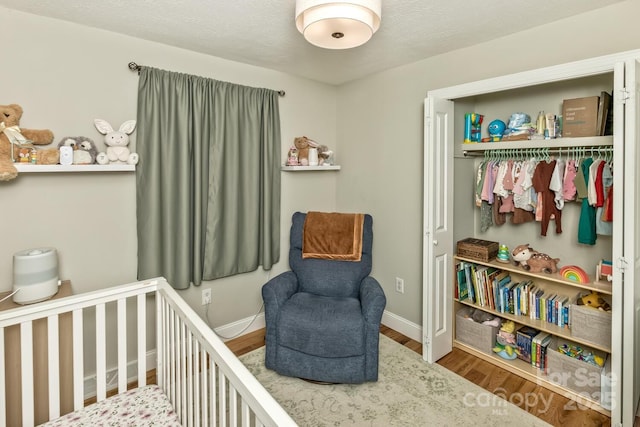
(206, 296)
(399, 285)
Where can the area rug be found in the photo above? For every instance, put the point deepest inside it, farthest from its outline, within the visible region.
(409, 392)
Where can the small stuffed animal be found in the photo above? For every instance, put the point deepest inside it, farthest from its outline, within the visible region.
(116, 142)
(594, 300)
(84, 149)
(302, 144)
(534, 261)
(11, 137)
(324, 154)
(292, 156)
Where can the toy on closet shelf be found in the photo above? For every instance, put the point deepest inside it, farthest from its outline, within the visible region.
(574, 273)
(534, 261)
(506, 346)
(594, 300)
(604, 270)
(117, 142)
(472, 127)
(503, 254)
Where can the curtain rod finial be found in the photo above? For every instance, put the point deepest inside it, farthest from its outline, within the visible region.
(134, 67)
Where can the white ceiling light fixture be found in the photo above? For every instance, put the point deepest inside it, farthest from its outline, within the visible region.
(338, 24)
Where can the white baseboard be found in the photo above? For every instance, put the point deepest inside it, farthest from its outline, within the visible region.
(240, 327)
(112, 375)
(402, 325)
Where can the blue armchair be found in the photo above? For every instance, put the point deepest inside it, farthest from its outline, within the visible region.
(323, 316)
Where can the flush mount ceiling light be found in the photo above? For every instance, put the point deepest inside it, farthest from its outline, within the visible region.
(338, 25)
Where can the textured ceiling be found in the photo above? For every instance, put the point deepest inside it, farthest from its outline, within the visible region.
(263, 32)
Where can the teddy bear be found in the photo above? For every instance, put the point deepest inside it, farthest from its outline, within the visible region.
(302, 144)
(12, 137)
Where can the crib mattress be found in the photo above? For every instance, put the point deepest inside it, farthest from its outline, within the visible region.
(145, 406)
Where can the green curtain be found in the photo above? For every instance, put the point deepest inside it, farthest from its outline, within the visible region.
(208, 180)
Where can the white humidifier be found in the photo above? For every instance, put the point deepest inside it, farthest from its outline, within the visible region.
(35, 275)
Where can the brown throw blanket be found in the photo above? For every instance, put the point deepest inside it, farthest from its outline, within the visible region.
(336, 236)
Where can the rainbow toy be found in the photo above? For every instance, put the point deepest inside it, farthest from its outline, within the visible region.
(574, 273)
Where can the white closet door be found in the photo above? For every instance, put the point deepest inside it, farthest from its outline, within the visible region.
(438, 233)
(631, 257)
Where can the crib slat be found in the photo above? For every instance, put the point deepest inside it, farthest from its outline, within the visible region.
(214, 393)
(222, 398)
(173, 381)
(205, 386)
(78, 360)
(3, 392)
(189, 373)
(142, 340)
(26, 364)
(122, 345)
(101, 349)
(54, 366)
(196, 383)
(233, 406)
(183, 366)
(246, 414)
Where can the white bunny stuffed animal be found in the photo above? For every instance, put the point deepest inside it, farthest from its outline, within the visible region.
(116, 142)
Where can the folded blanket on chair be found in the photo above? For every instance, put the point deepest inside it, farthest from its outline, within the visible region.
(336, 236)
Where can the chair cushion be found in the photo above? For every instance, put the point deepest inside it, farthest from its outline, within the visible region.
(322, 326)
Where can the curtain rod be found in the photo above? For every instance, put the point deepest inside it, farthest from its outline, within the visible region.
(586, 150)
(135, 67)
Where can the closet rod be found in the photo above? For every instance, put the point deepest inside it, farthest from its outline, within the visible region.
(592, 151)
(135, 67)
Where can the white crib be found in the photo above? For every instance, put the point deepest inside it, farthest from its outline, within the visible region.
(203, 380)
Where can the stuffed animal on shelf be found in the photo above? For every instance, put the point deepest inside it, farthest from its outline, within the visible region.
(12, 137)
(594, 300)
(84, 149)
(116, 142)
(301, 143)
(324, 155)
(534, 261)
(292, 156)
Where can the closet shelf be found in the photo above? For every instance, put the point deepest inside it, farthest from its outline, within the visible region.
(29, 168)
(533, 144)
(310, 168)
(595, 285)
(541, 325)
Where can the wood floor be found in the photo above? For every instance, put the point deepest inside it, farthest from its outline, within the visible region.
(544, 404)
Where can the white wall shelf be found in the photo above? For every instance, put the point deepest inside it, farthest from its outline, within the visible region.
(29, 168)
(310, 168)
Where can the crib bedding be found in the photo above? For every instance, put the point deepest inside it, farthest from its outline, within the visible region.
(140, 407)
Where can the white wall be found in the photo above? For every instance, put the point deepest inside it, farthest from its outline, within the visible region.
(378, 121)
(380, 127)
(64, 76)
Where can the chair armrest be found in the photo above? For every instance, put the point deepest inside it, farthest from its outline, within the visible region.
(372, 299)
(279, 289)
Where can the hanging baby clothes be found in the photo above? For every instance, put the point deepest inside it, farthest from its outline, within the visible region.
(587, 222)
(521, 209)
(568, 186)
(555, 184)
(541, 181)
(604, 227)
